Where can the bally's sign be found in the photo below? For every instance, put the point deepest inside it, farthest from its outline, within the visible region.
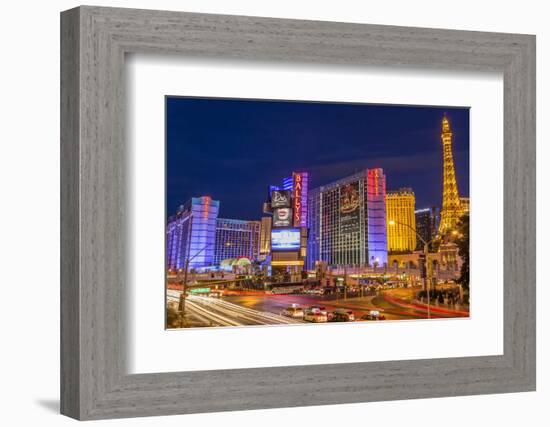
(280, 199)
(297, 198)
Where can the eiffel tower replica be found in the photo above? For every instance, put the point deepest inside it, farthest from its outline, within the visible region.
(451, 210)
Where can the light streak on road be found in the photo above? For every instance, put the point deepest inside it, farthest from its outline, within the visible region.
(213, 317)
(228, 314)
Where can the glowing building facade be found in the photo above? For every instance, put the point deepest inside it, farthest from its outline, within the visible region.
(265, 237)
(195, 233)
(401, 220)
(235, 239)
(191, 234)
(347, 221)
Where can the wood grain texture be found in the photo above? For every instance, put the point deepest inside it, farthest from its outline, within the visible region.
(70, 291)
(94, 382)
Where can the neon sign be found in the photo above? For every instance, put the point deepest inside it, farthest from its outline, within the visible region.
(297, 198)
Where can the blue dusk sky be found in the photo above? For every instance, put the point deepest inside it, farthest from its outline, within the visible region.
(233, 149)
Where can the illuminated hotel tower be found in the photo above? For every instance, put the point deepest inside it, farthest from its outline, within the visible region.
(347, 221)
(401, 220)
(451, 210)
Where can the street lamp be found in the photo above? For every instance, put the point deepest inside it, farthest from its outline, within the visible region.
(425, 252)
(183, 294)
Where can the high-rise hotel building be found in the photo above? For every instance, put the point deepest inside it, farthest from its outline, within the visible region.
(236, 238)
(426, 225)
(347, 221)
(265, 237)
(197, 234)
(191, 233)
(401, 220)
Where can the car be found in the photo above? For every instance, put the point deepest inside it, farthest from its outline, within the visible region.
(319, 307)
(215, 294)
(294, 311)
(316, 314)
(342, 315)
(373, 315)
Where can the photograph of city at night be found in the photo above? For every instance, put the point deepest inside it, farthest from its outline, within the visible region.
(294, 212)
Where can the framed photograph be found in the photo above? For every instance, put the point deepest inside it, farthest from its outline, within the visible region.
(279, 213)
(361, 233)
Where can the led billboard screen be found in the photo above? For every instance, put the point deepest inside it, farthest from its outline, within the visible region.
(280, 199)
(282, 217)
(287, 239)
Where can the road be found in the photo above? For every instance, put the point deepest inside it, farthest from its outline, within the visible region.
(255, 308)
(359, 305)
(219, 312)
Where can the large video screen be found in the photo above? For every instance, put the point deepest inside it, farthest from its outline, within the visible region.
(287, 239)
(282, 217)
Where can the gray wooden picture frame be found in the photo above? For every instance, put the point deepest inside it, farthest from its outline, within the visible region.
(94, 381)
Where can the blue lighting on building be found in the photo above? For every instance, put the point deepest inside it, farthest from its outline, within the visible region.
(196, 233)
(287, 183)
(191, 234)
(347, 221)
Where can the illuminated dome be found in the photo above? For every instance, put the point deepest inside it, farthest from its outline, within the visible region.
(230, 262)
(243, 261)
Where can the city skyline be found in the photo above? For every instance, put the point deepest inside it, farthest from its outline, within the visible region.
(215, 147)
(297, 212)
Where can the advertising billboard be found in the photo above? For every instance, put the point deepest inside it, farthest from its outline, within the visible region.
(285, 239)
(349, 208)
(282, 217)
(280, 199)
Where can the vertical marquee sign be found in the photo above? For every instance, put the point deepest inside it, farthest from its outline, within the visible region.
(297, 198)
